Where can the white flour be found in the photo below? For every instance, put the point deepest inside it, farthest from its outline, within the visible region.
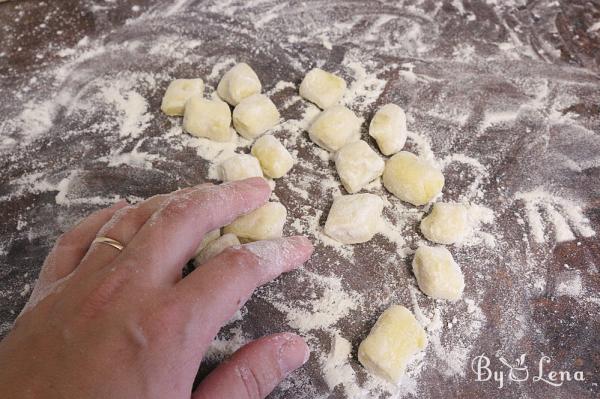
(121, 107)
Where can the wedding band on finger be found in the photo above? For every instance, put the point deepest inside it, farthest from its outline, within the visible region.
(109, 241)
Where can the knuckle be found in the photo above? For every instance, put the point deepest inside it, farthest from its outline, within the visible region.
(240, 257)
(178, 208)
(128, 216)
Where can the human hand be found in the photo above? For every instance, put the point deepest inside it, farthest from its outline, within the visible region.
(104, 323)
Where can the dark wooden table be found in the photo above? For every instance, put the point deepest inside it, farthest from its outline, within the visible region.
(514, 85)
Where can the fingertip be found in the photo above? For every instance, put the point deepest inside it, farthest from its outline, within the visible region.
(257, 183)
(303, 246)
(293, 352)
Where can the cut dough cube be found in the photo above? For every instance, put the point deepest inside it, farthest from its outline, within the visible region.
(438, 275)
(447, 223)
(354, 218)
(412, 179)
(358, 165)
(274, 158)
(264, 223)
(216, 247)
(334, 128)
(322, 88)
(254, 115)
(208, 118)
(178, 92)
(238, 83)
(207, 239)
(240, 167)
(388, 128)
(394, 339)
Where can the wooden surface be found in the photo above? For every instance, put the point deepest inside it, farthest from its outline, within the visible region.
(461, 68)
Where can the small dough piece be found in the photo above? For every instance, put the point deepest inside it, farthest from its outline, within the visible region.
(334, 128)
(388, 128)
(412, 179)
(394, 339)
(438, 275)
(354, 218)
(264, 223)
(358, 165)
(238, 83)
(207, 239)
(447, 223)
(254, 115)
(178, 92)
(208, 118)
(322, 88)
(216, 247)
(274, 158)
(240, 167)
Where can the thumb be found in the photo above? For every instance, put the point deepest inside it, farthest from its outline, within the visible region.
(255, 369)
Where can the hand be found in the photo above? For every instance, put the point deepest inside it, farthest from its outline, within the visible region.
(104, 323)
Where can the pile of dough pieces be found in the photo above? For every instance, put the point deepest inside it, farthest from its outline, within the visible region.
(252, 116)
(354, 218)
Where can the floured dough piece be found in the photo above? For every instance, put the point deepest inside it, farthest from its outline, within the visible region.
(322, 88)
(207, 239)
(208, 118)
(239, 167)
(263, 223)
(388, 128)
(178, 92)
(274, 158)
(438, 275)
(254, 115)
(394, 339)
(447, 223)
(334, 128)
(216, 247)
(354, 218)
(358, 165)
(238, 83)
(412, 179)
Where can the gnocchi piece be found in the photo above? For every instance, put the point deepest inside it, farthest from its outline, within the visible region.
(254, 115)
(274, 158)
(354, 218)
(388, 128)
(358, 165)
(394, 339)
(447, 223)
(216, 247)
(438, 275)
(322, 88)
(208, 118)
(238, 83)
(334, 128)
(240, 167)
(178, 92)
(207, 239)
(264, 223)
(412, 179)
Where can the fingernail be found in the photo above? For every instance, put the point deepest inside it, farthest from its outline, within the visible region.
(293, 353)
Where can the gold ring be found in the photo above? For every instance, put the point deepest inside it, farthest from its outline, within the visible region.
(113, 243)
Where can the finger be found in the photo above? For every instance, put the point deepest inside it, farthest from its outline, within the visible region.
(172, 234)
(124, 225)
(214, 292)
(255, 369)
(71, 246)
